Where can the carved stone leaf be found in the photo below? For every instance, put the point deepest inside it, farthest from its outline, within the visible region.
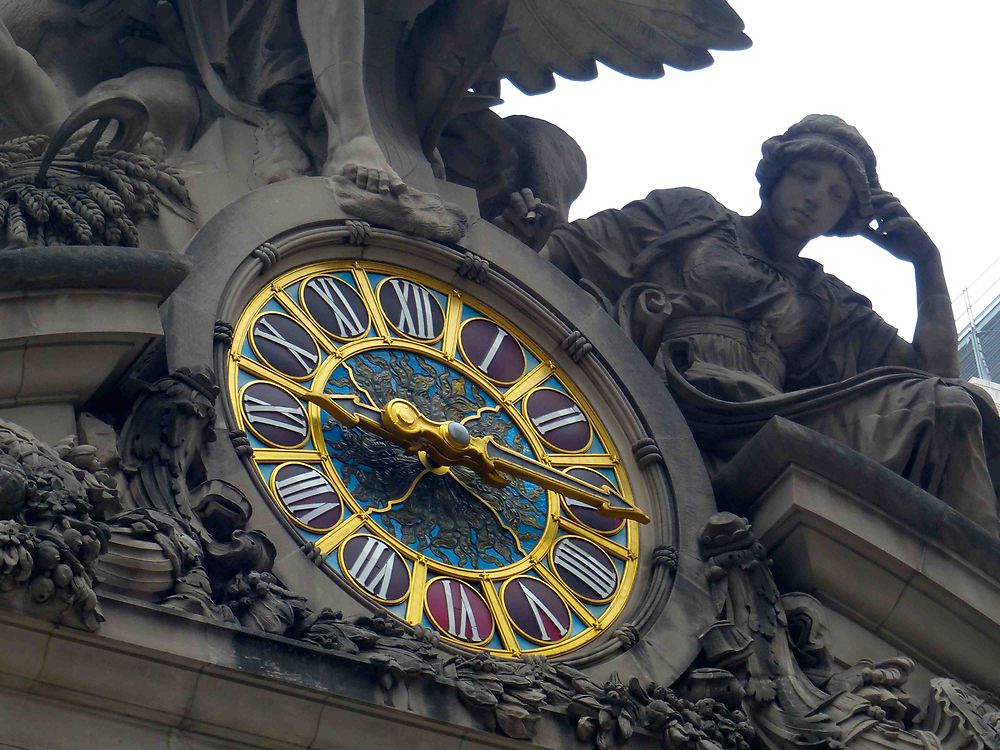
(476, 693)
(512, 720)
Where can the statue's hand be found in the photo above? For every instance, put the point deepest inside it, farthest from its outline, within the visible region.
(528, 219)
(898, 232)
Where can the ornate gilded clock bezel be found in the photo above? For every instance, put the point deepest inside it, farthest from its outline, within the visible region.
(370, 278)
(240, 250)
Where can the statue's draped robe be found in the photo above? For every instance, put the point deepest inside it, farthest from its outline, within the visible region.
(256, 47)
(740, 340)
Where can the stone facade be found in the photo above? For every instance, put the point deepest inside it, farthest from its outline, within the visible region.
(159, 586)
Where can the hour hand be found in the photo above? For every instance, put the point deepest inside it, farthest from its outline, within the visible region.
(349, 410)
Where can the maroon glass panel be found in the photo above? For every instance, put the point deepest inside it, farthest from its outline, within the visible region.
(492, 351)
(458, 609)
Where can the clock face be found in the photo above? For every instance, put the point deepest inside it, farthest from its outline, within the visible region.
(508, 569)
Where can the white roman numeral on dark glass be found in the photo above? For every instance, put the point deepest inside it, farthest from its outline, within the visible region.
(285, 345)
(376, 568)
(411, 308)
(274, 415)
(536, 609)
(558, 419)
(459, 610)
(553, 420)
(335, 306)
(492, 350)
(585, 568)
(308, 496)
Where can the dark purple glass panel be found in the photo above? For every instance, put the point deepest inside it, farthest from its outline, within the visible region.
(491, 350)
(285, 345)
(536, 609)
(274, 415)
(585, 568)
(308, 496)
(376, 568)
(584, 513)
(558, 419)
(411, 308)
(336, 307)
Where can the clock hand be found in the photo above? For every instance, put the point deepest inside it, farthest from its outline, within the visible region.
(449, 443)
(606, 500)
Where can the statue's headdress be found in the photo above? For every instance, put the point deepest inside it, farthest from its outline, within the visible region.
(829, 138)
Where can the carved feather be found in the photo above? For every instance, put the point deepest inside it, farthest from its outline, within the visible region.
(635, 37)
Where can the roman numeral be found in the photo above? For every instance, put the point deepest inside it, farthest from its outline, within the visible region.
(373, 567)
(416, 311)
(546, 423)
(289, 418)
(593, 572)
(299, 494)
(467, 627)
(492, 351)
(541, 612)
(264, 329)
(344, 316)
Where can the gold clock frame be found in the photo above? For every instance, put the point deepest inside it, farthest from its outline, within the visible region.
(422, 570)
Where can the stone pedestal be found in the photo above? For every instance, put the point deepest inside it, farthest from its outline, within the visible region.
(71, 320)
(898, 571)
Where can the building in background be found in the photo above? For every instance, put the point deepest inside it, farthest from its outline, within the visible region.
(977, 316)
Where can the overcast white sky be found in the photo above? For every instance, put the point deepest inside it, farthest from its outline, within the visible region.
(918, 78)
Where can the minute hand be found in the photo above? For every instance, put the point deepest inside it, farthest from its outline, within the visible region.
(449, 443)
(605, 500)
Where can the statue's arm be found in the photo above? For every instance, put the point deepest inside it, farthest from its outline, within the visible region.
(935, 341)
(29, 100)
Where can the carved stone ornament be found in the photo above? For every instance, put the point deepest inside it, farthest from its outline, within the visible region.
(769, 654)
(963, 716)
(65, 190)
(50, 538)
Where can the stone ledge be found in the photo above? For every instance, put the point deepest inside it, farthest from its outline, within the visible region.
(164, 674)
(32, 269)
(782, 443)
(891, 558)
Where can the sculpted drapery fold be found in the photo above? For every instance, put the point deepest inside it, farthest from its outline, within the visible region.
(740, 338)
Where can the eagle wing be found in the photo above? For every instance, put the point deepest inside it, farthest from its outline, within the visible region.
(635, 37)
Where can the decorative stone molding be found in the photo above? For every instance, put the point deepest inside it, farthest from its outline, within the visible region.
(646, 452)
(359, 232)
(267, 254)
(665, 555)
(223, 332)
(474, 267)
(577, 346)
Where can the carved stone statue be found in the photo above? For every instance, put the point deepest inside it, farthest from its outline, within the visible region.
(301, 72)
(743, 329)
(29, 99)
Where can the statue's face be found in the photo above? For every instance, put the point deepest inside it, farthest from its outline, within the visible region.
(809, 199)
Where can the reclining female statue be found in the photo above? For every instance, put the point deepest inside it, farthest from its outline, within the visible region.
(744, 329)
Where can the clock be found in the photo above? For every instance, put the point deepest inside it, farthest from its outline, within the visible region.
(443, 465)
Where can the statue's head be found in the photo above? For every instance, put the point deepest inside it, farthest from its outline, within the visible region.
(824, 138)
